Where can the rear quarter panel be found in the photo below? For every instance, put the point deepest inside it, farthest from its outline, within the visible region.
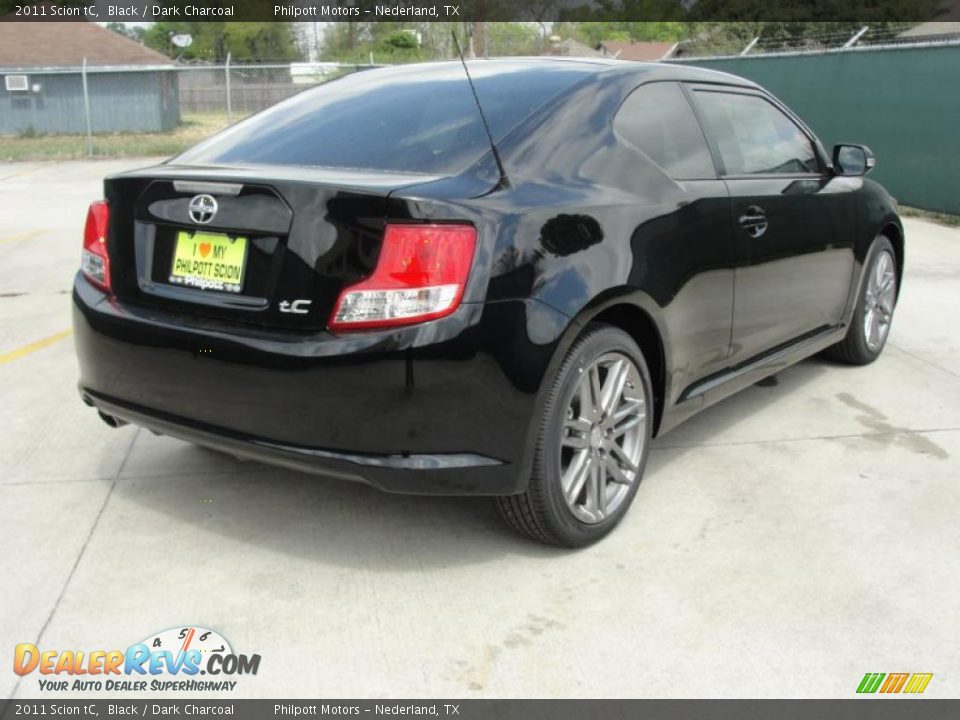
(588, 221)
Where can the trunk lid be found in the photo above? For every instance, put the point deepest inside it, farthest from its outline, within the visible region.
(308, 232)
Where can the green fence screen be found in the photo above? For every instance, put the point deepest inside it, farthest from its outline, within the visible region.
(902, 102)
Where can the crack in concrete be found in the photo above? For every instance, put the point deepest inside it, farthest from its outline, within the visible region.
(924, 360)
(83, 550)
(868, 435)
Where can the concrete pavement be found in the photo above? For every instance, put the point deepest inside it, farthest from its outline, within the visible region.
(782, 544)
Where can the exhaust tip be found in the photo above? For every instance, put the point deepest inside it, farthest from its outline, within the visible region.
(111, 420)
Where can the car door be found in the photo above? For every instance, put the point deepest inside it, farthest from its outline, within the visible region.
(793, 229)
(684, 246)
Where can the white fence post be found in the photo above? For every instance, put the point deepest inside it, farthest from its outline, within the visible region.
(86, 108)
(856, 38)
(749, 46)
(229, 106)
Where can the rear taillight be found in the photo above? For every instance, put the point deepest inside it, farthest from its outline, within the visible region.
(420, 275)
(95, 262)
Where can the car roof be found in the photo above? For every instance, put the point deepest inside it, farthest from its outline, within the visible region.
(605, 66)
(680, 72)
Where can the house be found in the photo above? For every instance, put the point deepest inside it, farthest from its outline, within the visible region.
(637, 51)
(932, 31)
(571, 48)
(129, 87)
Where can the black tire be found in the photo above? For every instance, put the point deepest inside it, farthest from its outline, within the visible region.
(853, 349)
(541, 512)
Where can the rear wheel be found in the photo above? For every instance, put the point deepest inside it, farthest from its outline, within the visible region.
(592, 446)
(873, 315)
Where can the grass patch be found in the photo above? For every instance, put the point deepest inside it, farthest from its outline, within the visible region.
(35, 146)
(932, 216)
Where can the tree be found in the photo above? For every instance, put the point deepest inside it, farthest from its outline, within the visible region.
(390, 42)
(134, 32)
(245, 41)
(593, 33)
(514, 38)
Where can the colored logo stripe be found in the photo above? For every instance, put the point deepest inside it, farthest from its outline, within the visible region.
(894, 682)
(870, 682)
(918, 682)
(914, 683)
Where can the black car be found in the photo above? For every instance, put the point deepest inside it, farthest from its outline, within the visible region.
(503, 288)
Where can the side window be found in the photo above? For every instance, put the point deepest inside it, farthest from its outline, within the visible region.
(657, 120)
(754, 137)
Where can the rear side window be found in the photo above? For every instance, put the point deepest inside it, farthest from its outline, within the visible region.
(754, 137)
(657, 119)
(419, 120)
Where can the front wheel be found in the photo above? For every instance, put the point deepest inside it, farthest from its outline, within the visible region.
(592, 446)
(870, 324)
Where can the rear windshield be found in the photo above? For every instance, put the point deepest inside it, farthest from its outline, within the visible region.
(421, 120)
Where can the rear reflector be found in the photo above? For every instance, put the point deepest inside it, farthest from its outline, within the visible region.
(95, 262)
(420, 275)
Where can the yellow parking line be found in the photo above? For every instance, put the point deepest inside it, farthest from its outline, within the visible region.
(31, 347)
(22, 236)
(22, 172)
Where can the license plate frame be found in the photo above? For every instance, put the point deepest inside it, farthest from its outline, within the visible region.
(195, 264)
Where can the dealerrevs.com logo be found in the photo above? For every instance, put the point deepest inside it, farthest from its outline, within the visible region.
(179, 659)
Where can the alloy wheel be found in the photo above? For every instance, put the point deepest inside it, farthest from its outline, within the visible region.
(603, 437)
(879, 301)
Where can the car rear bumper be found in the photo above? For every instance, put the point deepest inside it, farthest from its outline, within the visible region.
(442, 408)
(440, 473)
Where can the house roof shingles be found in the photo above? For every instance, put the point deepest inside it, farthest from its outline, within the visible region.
(932, 30)
(572, 48)
(638, 51)
(54, 44)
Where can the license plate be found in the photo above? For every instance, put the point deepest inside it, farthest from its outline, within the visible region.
(209, 261)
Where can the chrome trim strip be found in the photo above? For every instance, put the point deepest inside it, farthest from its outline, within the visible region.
(771, 358)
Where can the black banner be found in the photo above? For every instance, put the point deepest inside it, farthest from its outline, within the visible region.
(855, 709)
(480, 10)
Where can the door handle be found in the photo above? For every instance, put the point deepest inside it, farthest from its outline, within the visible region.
(754, 221)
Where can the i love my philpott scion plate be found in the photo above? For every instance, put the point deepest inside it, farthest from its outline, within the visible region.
(209, 261)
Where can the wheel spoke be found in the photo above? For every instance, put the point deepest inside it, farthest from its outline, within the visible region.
(629, 408)
(627, 425)
(598, 487)
(616, 472)
(578, 442)
(577, 424)
(613, 387)
(886, 283)
(576, 432)
(868, 324)
(595, 392)
(576, 475)
(583, 393)
(621, 457)
(881, 269)
(626, 417)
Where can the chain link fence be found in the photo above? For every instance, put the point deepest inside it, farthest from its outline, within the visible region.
(718, 42)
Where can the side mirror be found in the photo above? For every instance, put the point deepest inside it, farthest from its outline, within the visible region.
(853, 160)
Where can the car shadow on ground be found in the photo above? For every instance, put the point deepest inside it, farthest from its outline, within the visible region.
(349, 524)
